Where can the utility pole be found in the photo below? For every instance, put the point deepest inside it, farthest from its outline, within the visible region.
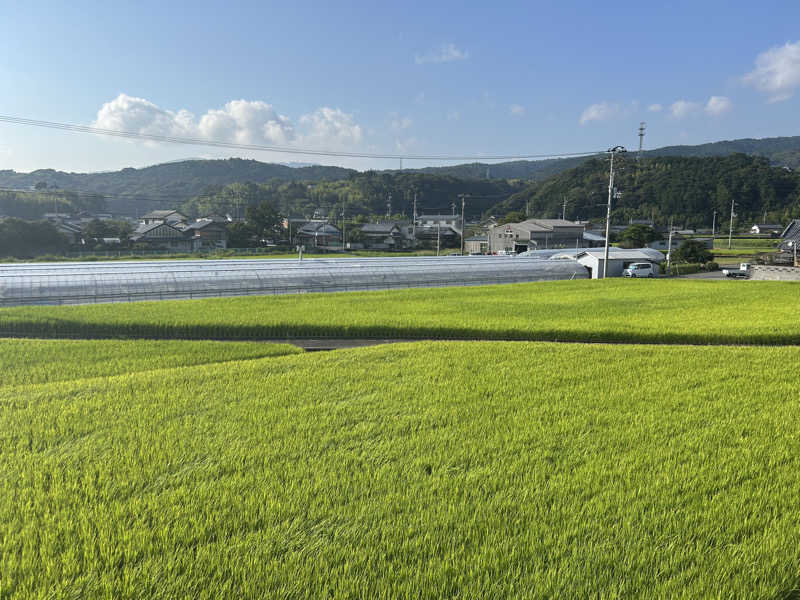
(714, 225)
(463, 199)
(414, 222)
(730, 230)
(564, 210)
(669, 246)
(438, 228)
(344, 231)
(641, 139)
(389, 208)
(611, 151)
(453, 208)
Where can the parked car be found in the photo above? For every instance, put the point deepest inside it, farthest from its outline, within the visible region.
(640, 270)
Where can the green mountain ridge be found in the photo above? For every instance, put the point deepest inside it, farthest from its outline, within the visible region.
(169, 185)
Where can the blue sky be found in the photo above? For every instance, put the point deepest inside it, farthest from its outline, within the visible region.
(418, 77)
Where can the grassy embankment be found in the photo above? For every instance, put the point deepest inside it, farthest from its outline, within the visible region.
(653, 311)
(476, 470)
(742, 250)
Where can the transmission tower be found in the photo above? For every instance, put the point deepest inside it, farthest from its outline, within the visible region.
(642, 126)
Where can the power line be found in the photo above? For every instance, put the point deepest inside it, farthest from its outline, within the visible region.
(282, 149)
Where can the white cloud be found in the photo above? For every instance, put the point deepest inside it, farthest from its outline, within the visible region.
(718, 105)
(655, 108)
(777, 72)
(399, 123)
(453, 115)
(442, 54)
(239, 121)
(332, 128)
(516, 110)
(683, 108)
(599, 112)
(406, 145)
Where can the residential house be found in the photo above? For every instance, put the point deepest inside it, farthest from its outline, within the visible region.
(163, 236)
(382, 236)
(536, 234)
(163, 216)
(207, 234)
(318, 234)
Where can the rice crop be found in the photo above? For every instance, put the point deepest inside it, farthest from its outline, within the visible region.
(428, 470)
(653, 311)
(40, 361)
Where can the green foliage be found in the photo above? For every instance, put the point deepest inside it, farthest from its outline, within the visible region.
(692, 251)
(97, 228)
(488, 470)
(515, 216)
(688, 189)
(638, 236)
(655, 311)
(33, 205)
(30, 238)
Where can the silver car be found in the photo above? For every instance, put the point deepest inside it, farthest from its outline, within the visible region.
(640, 270)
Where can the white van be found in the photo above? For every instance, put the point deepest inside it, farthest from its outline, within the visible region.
(640, 270)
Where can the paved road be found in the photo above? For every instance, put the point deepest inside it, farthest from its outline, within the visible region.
(704, 275)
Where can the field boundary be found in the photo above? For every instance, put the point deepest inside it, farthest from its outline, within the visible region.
(322, 343)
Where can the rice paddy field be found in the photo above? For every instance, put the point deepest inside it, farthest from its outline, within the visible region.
(424, 470)
(615, 310)
(167, 468)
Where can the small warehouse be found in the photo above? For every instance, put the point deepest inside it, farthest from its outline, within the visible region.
(618, 260)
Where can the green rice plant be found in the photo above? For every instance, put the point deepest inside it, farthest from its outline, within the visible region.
(41, 361)
(429, 470)
(613, 310)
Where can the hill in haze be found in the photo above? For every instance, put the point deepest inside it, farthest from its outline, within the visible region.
(133, 191)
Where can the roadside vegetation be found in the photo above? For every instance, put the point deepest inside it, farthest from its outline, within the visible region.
(489, 470)
(616, 310)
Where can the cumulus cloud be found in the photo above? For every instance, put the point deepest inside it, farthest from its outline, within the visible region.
(599, 112)
(777, 72)
(331, 127)
(683, 108)
(442, 54)
(718, 105)
(239, 121)
(655, 108)
(516, 110)
(399, 123)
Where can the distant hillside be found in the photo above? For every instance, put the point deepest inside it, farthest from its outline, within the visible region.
(133, 191)
(518, 169)
(688, 189)
(168, 184)
(781, 151)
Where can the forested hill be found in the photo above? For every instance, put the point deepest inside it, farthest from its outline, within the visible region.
(685, 188)
(168, 183)
(780, 151)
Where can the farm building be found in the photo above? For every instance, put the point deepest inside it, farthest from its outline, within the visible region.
(476, 244)
(618, 260)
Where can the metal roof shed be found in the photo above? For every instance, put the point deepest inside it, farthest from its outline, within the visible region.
(618, 260)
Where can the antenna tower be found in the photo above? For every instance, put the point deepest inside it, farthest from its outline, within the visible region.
(642, 126)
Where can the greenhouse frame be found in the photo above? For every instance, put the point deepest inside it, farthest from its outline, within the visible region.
(128, 281)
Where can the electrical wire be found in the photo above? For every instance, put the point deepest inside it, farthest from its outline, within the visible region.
(282, 149)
